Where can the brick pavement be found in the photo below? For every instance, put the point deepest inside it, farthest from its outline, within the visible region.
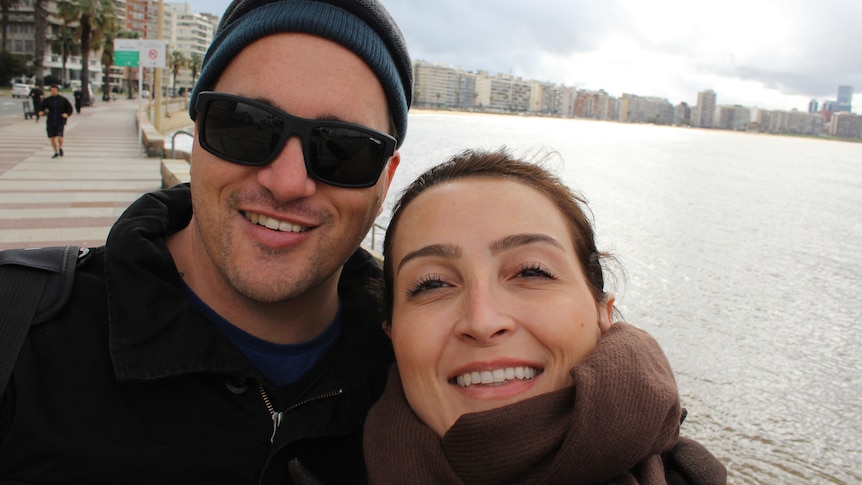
(76, 198)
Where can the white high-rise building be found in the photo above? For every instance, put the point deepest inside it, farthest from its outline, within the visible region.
(704, 115)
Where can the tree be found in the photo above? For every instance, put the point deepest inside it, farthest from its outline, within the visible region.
(195, 65)
(6, 6)
(177, 62)
(11, 65)
(108, 37)
(63, 42)
(40, 31)
(94, 17)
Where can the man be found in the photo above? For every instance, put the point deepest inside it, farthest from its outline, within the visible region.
(228, 333)
(36, 95)
(78, 95)
(58, 109)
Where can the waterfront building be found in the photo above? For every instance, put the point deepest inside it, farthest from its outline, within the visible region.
(704, 113)
(190, 33)
(845, 99)
(845, 125)
(789, 122)
(813, 106)
(641, 109)
(736, 118)
(682, 114)
(439, 86)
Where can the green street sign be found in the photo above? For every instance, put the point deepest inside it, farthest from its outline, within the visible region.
(126, 58)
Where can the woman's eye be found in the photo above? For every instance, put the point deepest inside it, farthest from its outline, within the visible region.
(426, 283)
(535, 270)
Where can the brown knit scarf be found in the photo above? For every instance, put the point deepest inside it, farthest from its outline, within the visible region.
(610, 427)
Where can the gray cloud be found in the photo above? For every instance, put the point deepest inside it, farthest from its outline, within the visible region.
(508, 36)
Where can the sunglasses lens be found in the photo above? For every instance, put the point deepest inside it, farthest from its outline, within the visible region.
(345, 156)
(240, 132)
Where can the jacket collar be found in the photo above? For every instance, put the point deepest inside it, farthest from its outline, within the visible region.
(154, 330)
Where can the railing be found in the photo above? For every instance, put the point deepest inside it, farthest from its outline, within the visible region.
(374, 230)
(173, 139)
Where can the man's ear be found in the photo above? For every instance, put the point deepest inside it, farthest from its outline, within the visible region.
(606, 311)
(389, 173)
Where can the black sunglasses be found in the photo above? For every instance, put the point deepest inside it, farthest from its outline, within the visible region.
(249, 132)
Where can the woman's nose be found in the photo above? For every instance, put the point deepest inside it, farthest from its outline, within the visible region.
(486, 318)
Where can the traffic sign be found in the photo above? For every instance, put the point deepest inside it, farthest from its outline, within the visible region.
(152, 53)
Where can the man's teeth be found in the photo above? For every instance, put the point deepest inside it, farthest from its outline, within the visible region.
(496, 376)
(274, 224)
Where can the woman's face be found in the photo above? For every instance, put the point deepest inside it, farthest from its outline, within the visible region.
(490, 303)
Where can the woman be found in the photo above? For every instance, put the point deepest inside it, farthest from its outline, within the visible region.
(508, 368)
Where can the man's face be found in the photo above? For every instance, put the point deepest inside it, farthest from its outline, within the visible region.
(272, 233)
(54, 91)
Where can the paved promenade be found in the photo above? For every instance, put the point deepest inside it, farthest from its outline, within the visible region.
(76, 198)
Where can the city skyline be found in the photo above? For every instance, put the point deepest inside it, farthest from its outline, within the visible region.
(765, 54)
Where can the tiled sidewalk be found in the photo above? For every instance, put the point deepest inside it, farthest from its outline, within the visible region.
(76, 198)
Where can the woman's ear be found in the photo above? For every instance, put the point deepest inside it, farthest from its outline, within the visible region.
(388, 329)
(606, 310)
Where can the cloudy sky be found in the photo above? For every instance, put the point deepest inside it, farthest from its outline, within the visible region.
(772, 54)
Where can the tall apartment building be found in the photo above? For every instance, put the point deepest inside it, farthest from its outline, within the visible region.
(704, 113)
(641, 109)
(845, 99)
(190, 33)
(845, 125)
(137, 16)
(21, 40)
(439, 86)
(735, 118)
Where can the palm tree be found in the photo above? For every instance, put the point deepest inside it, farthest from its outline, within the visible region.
(94, 18)
(63, 41)
(177, 62)
(195, 65)
(107, 62)
(40, 31)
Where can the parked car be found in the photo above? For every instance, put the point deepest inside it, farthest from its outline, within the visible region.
(21, 90)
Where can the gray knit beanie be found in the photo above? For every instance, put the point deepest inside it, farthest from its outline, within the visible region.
(363, 26)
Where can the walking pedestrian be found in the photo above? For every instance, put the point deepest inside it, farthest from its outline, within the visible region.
(78, 95)
(58, 110)
(36, 95)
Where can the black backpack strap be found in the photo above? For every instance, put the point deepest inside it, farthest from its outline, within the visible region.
(34, 286)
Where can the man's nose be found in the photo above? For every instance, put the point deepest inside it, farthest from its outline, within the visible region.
(286, 177)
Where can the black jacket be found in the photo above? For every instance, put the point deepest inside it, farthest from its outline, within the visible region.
(131, 384)
(54, 107)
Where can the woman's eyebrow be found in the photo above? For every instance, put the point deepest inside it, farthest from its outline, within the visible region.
(516, 240)
(448, 251)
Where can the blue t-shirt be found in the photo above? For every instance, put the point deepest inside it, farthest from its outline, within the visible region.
(281, 363)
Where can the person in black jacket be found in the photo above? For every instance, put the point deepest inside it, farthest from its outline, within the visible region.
(36, 95)
(78, 95)
(58, 110)
(226, 332)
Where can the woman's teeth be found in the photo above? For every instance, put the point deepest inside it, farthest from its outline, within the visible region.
(274, 224)
(495, 377)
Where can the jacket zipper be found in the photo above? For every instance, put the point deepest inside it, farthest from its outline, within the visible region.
(278, 416)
